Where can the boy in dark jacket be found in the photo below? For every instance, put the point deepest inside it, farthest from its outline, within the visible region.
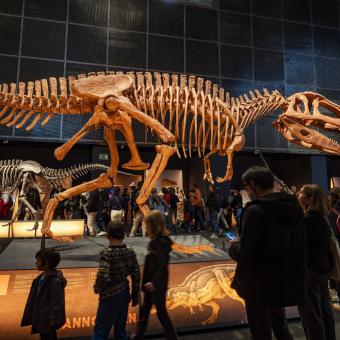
(45, 307)
(117, 262)
(270, 256)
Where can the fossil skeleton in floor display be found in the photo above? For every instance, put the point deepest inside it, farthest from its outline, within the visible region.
(182, 111)
(17, 176)
(204, 287)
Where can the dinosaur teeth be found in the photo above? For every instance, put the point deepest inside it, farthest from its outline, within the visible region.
(334, 141)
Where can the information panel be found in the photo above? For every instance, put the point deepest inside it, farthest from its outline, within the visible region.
(199, 295)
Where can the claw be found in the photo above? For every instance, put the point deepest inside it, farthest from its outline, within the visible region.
(132, 165)
(228, 176)
(49, 233)
(224, 179)
(35, 227)
(208, 176)
(207, 322)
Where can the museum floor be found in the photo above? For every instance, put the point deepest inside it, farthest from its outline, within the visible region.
(236, 333)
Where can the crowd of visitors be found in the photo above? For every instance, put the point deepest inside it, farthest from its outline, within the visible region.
(183, 213)
(284, 258)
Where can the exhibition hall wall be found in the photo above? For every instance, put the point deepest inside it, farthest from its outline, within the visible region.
(287, 45)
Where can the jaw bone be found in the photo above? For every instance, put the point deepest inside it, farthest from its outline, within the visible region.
(299, 134)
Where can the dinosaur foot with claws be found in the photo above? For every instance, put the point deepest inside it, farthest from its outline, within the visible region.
(228, 176)
(133, 165)
(208, 176)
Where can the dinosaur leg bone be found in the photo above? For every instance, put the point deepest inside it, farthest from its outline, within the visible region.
(236, 145)
(207, 170)
(214, 312)
(164, 152)
(103, 181)
(98, 118)
(110, 140)
(229, 172)
(224, 279)
(32, 211)
(135, 163)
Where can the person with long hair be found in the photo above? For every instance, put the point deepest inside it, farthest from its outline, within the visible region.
(333, 218)
(316, 314)
(155, 276)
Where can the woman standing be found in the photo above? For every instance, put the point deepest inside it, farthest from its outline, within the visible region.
(155, 276)
(317, 314)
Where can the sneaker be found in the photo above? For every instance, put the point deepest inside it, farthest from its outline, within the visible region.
(102, 233)
(213, 235)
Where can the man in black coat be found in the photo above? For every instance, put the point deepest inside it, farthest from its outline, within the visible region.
(213, 204)
(271, 256)
(93, 206)
(45, 306)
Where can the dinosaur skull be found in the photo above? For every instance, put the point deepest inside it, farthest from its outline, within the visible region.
(177, 296)
(301, 120)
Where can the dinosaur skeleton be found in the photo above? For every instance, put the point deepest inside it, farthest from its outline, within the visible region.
(202, 288)
(184, 113)
(17, 176)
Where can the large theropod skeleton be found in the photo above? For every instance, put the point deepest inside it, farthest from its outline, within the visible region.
(184, 113)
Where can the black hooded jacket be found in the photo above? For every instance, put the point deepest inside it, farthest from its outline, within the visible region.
(271, 254)
(46, 303)
(156, 263)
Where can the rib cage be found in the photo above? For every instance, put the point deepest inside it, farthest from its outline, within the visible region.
(191, 106)
(195, 115)
(10, 174)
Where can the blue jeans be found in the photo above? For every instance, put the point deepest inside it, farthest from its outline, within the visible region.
(213, 221)
(238, 216)
(199, 223)
(112, 312)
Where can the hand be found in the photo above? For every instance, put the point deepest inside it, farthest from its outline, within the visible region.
(134, 301)
(149, 287)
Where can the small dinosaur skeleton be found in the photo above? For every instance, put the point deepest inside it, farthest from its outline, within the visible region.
(202, 288)
(184, 113)
(17, 176)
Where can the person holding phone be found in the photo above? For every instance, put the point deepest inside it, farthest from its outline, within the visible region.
(270, 256)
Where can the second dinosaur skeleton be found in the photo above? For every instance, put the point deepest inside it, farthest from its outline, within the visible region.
(184, 112)
(17, 176)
